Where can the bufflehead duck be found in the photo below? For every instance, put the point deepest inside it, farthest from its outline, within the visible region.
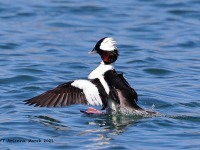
(104, 87)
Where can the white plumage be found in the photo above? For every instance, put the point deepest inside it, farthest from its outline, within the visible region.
(99, 73)
(90, 90)
(100, 70)
(108, 44)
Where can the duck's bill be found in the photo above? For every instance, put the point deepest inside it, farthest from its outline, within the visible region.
(94, 51)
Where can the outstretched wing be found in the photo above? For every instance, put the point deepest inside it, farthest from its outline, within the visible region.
(74, 92)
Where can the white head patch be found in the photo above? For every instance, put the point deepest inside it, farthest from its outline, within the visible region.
(108, 44)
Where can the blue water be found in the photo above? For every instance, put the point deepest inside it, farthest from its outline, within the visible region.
(45, 43)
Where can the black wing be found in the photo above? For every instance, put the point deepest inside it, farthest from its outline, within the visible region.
(128, 85)
(120, 90)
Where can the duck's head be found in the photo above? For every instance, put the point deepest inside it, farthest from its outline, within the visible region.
(107, 49)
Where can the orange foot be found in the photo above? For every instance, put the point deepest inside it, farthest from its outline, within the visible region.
(91, 110)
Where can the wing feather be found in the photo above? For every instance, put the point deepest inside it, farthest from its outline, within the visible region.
(74, 92)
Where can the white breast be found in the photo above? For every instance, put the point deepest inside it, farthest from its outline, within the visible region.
(100, 70)
(99, 73)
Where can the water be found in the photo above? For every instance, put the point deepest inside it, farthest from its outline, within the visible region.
(43, 44)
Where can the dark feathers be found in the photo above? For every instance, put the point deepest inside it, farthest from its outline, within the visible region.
(120, 91)
(63, 95)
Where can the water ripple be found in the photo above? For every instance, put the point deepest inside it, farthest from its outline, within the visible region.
(17, 79)
(157, 71)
